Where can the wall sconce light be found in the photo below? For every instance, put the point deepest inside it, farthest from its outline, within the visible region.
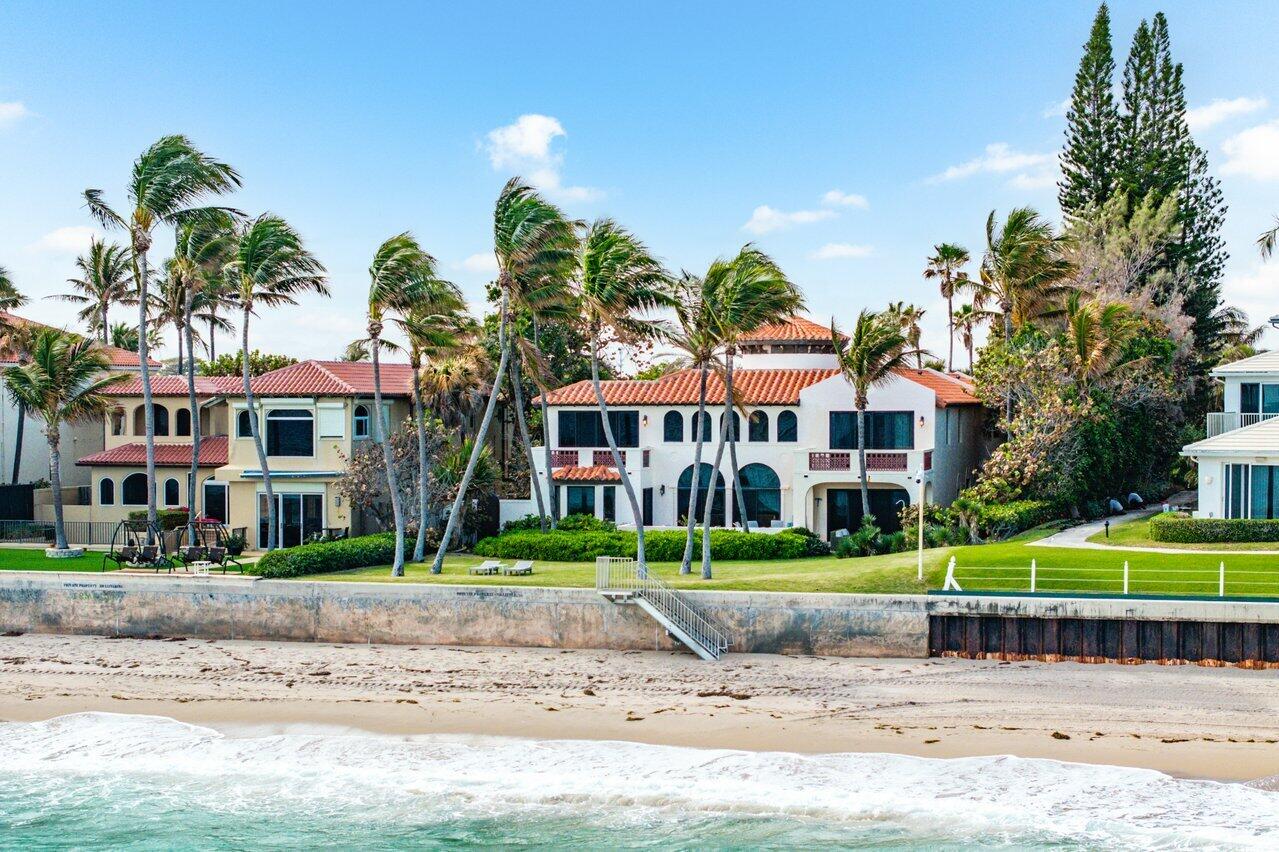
(644, 420)
(921, 421)
(337, 501)
(662, 490)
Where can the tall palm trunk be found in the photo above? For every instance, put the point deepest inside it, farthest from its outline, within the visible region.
(178, 329)
(636, 513)
(17, 443)
(256, 431)
(518, 390)
(194, 474)
(709, 500)
(552, 493)
(380, 435)
(106, 329)
(480, 437)
(212, 332)
(55, 483)
(148, 411)
(729, 411)
(686, 564)
(1008, 341)
(419, 419)
(950, 328)
(861, 457)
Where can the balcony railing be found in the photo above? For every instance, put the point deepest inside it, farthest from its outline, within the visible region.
(829, 461)
(876, 460)
(563, 458)
(1226, 421)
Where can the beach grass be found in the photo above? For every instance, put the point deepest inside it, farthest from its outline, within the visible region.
(1137, 534)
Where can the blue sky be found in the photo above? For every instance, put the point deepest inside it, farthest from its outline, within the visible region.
(846, 138)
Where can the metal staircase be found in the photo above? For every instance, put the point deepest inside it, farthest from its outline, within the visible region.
(623, 581)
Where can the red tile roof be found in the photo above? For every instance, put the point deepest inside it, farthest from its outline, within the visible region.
(334, 378)
(169, 385)
(795, 328)
(949, 389)
(213, 453)
(595, 473)
(120, 358)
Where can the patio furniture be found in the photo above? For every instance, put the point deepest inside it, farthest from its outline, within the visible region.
(187, 556)
(519, 569)
(221, 557)
(486, 568)
(200, 568)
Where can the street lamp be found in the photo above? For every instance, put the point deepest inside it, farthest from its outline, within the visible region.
(919, 481)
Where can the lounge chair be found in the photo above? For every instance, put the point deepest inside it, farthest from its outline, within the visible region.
(150, 557)
(194, 553)
(127, 555)
(222, 558)
(519, 569)
(486, 568)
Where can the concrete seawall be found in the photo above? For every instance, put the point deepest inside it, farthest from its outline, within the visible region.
(759, 622)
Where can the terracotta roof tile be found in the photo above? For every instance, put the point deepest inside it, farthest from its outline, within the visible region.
(213, 453)
(122, 358)
(334, 378)
(949, 389)
(795, 328)
(177, 386)
(594, 473)
(753, 387)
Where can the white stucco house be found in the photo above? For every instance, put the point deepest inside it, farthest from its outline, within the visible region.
(797, 443)
(1239, 460)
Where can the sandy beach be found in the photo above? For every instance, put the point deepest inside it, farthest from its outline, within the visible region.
(1184, 720)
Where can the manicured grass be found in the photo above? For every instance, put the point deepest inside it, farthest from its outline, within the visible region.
(33, 559)
(1137, 534)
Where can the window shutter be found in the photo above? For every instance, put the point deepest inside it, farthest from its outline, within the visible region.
(332, 421)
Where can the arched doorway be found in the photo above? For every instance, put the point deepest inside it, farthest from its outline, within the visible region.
(685, 490)
(844, 508)
(762, 493)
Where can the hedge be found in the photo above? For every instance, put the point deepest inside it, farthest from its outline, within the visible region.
(660, 545)
(1179, 529)
(1001, 520)
(323, 557)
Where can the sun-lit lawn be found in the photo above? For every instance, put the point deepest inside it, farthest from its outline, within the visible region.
(33, 559)
(1137, 534)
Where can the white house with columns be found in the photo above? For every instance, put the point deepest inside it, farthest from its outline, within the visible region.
(796, 448)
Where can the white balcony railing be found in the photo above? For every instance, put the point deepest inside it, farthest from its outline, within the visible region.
(1226, 421)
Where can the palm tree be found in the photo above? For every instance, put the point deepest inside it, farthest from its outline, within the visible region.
(965, 320)
(15, 338)
(946, 266)
(270, 267)
(454, 386)
(1095, 335)
(10, 298)
(1266, 242)
(618, 278)
(532, 242)
(355, 351)
(63, 382)
(106, 278)
(909, 316)
(125, 336)
(868, 358)
(167, 179)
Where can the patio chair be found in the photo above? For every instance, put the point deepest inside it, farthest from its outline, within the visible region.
(127, 555)
(519, 569)
(222, 558)
(486, 568)
(151, 557)
(192, 553)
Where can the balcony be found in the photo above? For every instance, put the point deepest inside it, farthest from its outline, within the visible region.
(1227, 421)
(591, 457)
(877, 461)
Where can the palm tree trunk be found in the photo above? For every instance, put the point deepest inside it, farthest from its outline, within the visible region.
(17, 443)
(148, 411)
(55, 483)
(212, 332)
(738, 496)
(709, 500)
(106, 329)
(1008, 341)
(478, 446)
(686, 564)
(970, 353)
(551, 492)
(861, 457)
(257, 434)
(950, 333)
(518, 390)
(194, 475)
(636, 513)
(178, 329)
(419, 419)
(392, 479)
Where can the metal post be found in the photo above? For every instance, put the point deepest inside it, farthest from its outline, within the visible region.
(1125, 576)
(1032, 576)
(1221, 584)
(919, 478)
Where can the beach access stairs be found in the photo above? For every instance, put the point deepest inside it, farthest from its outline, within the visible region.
(625, 581)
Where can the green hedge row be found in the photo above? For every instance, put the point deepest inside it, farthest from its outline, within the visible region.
(1002, 520)
(660, 545)
(323, 557)
(1179, 529)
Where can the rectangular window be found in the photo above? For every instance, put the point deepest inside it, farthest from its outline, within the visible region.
(610, 502)
(1250, 398)
(1236, 489)
(586, 428)
(243, 427)
(648, 507)
(215, 504)
(581, 500)
(290, 432)
(885, 430)
(1270, 399)
(1264, 491)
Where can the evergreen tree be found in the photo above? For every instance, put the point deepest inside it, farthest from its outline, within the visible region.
(1089, 161)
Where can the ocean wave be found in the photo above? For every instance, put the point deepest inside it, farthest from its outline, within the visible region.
(618, 786)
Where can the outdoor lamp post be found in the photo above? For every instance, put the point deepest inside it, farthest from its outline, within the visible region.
(919, 481)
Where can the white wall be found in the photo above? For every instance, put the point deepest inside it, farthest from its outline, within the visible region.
(78, 440)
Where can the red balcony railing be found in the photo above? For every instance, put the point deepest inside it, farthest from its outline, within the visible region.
(829, 461)
(605, 457)
(875, 461)
(563, 458)
(885, 461)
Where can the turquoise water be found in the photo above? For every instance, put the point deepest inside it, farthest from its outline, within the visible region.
(140, 782)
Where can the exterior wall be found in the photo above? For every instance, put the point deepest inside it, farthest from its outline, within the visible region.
(125, 424)
(957, 450)
(80, 439)
(1211, 488)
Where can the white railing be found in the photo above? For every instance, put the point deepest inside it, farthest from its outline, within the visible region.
(1227, 421)
(1116, 579)
(614, 575)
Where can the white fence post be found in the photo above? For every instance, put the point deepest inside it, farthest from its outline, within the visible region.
(1221, 583)
(1032, 576)
(951, 585)
(1125, 576)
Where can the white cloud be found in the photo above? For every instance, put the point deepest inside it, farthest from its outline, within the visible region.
(70, 240)
(481, 262)
(526, 146)
(1254, 291)
(1201, 118)
(1055, 110)
(765, 219)
(1253, 153)
(999, 158)
(1035, 180)
(12, 112)
(839, 198)
(839, 251)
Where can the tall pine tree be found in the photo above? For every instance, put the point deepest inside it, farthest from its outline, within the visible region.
(1090, 159)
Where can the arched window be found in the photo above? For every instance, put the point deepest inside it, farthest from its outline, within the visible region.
(757, 426)
(106, 492)
(133, 491)
(685, 491)
(762, 493)
(360, 421)
(673, 427)
(735, 427)
(706, 426)
(184, 422)
(290, 432)
(171, 492)
(117, 421)
(243, 426)
(787, 427)
(161, 420)
(140, 420)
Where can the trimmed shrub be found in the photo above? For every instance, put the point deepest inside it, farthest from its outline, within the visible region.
(1001, 520)
(1179, 529)
(660, 545)
(323, 557)
(569, 522)
(168, 519)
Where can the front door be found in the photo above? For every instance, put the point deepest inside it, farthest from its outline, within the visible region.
(298, 516)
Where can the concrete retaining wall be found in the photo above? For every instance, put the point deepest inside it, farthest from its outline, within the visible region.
(834, 625)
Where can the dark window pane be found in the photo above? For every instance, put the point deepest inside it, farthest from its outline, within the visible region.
(610, 503)
(161, 419)
(215, 501)
(885, 430)
(243, 426)
(787, 427)
(1270, 399)
(684, 494)
(170, 492)
(757, 426)
(843, 430)
(184, 422)
(289, 432)
(1250, 398)
(581, 500)
(705, 421)
(106, 492)
(673, 427)
(134, 490)
(586, 428)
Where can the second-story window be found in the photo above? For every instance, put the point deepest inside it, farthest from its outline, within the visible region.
(757, 426)
(885, 430)
(160, 414)
(673, 427)
(183, 422)
(290, 432)
(243, 426)
(360, 422)
(586, 428)
(787, 427)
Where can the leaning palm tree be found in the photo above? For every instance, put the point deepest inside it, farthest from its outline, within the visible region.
(618, 280)
(532, 241)
(62, 382)
(946, 267)
(167, 180)
(270, 267)
(106, 279)
(1096, 335)
(965, 321)
(868, 358)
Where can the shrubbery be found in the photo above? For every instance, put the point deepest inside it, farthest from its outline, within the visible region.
(562, 545)
(569, 523)
(167, 519)
(1179, 529)
(323, 557)
(1001, 520)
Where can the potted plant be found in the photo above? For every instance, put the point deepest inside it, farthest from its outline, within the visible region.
(235, 544)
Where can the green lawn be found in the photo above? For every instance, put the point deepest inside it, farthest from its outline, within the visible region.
(33, 559)
(1004, 566)
(1137, 534)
